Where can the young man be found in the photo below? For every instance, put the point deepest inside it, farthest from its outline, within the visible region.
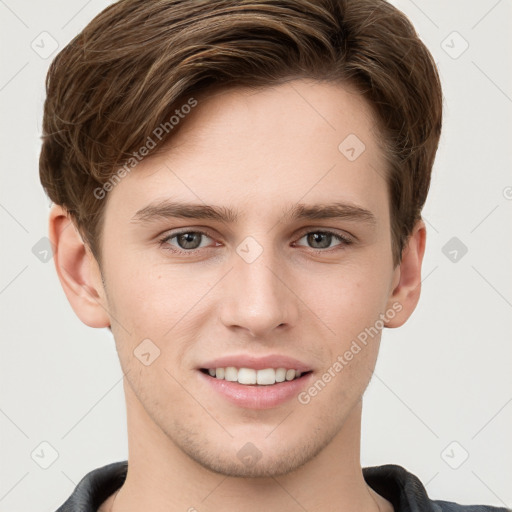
(238, 189)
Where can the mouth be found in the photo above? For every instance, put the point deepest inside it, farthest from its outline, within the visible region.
(255, 382)
(255, 377)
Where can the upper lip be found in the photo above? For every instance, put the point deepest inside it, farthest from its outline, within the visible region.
(257, 363)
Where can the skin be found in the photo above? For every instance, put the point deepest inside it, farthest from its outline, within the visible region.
(258, 152)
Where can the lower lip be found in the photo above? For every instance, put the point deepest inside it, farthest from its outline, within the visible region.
(257, 397)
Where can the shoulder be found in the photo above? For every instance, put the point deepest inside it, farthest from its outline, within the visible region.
(450, 506)
(406, 493)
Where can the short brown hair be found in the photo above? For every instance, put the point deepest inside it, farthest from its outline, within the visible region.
(135, 62)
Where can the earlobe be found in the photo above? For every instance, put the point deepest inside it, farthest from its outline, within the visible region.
(77, 270)
(407, 278)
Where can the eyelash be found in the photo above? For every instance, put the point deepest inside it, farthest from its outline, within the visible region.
(163, 241)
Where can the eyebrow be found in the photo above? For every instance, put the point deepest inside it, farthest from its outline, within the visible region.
(167, 209)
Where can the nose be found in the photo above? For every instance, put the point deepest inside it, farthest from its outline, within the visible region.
(258, 297)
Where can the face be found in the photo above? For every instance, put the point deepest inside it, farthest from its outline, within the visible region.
(290, 270)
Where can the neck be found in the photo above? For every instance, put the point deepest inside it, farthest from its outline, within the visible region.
(161, 477)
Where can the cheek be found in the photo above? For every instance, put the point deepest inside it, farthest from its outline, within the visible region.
(149, 299)
(349, 308)
(156, 311)
(348, 299)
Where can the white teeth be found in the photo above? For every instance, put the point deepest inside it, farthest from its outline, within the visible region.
(290, 374)
(266, 377)
(280, 374)
(246, 376)
(231, 374)
(249, 376)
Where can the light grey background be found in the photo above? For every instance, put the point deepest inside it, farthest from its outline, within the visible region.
(442, 389)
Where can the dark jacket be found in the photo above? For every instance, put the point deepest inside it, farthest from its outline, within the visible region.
(401, 488)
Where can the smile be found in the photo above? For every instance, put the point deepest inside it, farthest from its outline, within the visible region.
(251, 376)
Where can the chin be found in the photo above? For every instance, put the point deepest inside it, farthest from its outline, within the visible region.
(264, 455)
(251, 462)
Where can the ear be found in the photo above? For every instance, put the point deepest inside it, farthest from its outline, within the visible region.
(407, 278)
(78, 270)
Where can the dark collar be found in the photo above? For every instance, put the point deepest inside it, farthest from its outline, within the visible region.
(402, 489)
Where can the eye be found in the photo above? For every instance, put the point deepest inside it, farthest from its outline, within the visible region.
(320, 240)
(186, 241)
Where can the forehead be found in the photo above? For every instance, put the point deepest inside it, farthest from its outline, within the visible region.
(280, 116)
(303, 140)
